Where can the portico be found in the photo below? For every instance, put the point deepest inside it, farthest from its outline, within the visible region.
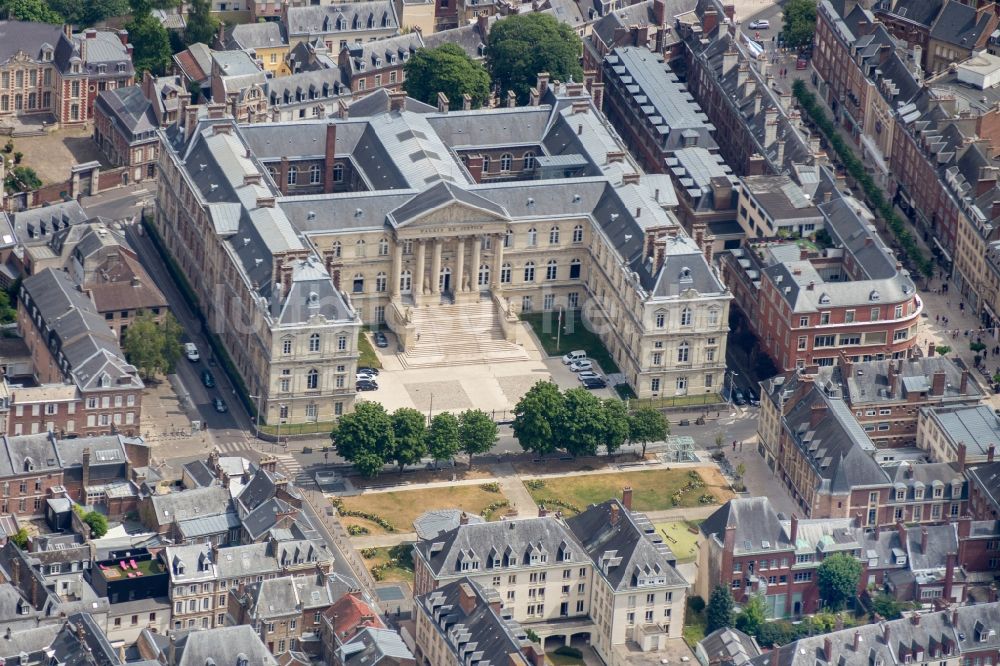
(457, 272)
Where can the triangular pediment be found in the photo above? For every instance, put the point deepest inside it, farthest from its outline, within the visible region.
(448, 204)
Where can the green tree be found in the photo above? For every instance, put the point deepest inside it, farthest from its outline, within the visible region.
(38, 11)
(365, 437)
(98, 524)
(447, 69)
(152, 347)
(753, 615)
(409, 445)
(477, 432)
(537, 417)
(837, 577)
(522, 46)
(171, 348)
(150, 42)
(885, 605)
(800, 22)
(582, 423)
(442, 437)
(22, 179)
(20, 538)
(201, 23)
(615, 425)
(719, 612)
(7, 311)
(646, 425)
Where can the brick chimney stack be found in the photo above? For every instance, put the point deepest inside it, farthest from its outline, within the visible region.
(794, 529)
(828, 649)
(627, 498)
(467, 598)
(857, 640)
(615, 514)
(923, 540)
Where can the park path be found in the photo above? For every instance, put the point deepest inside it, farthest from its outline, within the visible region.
(690, 513)
(513, 489)
(383, 540)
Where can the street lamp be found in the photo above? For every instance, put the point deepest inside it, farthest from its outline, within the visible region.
(256, 420)
(559, 326)
(732, 382)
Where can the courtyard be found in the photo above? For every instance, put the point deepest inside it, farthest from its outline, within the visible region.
(52, 154)
(399, 508)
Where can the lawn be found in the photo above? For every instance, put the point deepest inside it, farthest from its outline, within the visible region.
(575, 335)
(562, 660)
(402, 507)
(401, 571)
(652, 490)
(694, 626)
(682, 541)
(368, 358)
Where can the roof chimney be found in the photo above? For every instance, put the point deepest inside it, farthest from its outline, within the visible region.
(857, 640)
(990, 452)
(627, 498)
(885, 632)
(962, 452)
(816, 414)
(931, 349)
(923, 540)
(463, 519)
(901, 529)
(963, 388)
(615, 513)
(828, 649)
(794, 529)
(938, 383)
(467, 598)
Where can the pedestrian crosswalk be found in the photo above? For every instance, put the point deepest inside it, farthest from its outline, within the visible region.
(287, 464)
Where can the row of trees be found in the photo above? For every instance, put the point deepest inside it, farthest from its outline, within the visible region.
(580, 423)
(518, 48)
(370, 437)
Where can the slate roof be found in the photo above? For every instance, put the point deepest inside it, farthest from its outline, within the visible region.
(190, 504)
(921, 12)
(468, 37)
(960, 25)
(324, 19)
(131, 113)
(987, 479)
(729, 647)
(755, 521)
(24, 452)
(223, 645)
(26, 37)
(38, 225)
(287, 595)
(200, 473)
(250, 36)
(374, 646)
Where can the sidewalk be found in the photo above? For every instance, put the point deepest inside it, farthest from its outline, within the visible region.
(514, 490)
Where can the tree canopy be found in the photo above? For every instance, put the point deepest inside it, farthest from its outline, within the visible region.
(719, 612)
(477, 432)
(365, 438)
(152, 347)
(521, 46)
(31, 10)
(447, 69)
(646, 425)
(408, 428)
(582, 423)
(201, 23)
(22, 179)
(616, 426)
(442, 440)
(538, 416)
(838, 576)
(98, 524)
(150, 42)
(799, 23)
(752, 616)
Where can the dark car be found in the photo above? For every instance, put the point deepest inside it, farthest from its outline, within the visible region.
(207, 379)
(368, 371)
(592, 383)
(220, 406)
(753, 398)
(380, 340)
(366, 385)
(801, 63)
(739, 398)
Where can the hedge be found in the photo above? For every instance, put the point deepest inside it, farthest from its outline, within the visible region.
(854, 167)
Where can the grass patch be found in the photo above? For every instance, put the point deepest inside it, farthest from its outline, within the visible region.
(401, 569)
(678, 535)
(676, 401)
(298, 428)
(562, 659)
(652, 490)
(694, 627)
(368, 358)
(402, 507)
(575, 336)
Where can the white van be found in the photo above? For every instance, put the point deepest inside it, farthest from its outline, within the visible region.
(191, 352)
(574, 356)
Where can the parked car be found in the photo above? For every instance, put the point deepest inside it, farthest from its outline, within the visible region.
(762, 24)
(220, 405)
(801, 63)
(577, 366)
(574, 356)
(380, 340)
(191, 351)
(366, 385)
(207, 379)
(753, 398)
(368, 371)
(364, 377)
(588, 374)
(738, 397)
(594, 383)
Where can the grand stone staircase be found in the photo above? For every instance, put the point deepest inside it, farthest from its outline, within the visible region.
(455, 334)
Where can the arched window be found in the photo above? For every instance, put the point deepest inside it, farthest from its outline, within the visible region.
(574, 269)
(578, 233)
(532, 237)
(484, 275)
(273, 173)
(359, 249)
(506, 161)
(686, 317)
(312, 379)
(335, 249)
(338, 173)
(293, 175)
(554, 236)
(315, 174)
(551, 269)
(314, 342)
(405, 282)
(486, 163)
(383, 247)
(683, 352)
(380, 282)
(505, 274)
(529, 272)
(661, 319)
(529, 160)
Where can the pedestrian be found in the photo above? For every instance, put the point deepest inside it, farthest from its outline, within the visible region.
(734, 445)
(741, 447)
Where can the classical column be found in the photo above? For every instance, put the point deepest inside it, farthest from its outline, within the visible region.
(497, 261)
(418, 275)
(459, 267)
(477, 244)
(397, 267)
(436, 267)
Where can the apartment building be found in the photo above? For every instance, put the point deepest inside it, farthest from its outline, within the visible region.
(340, 25)
(600, 567)
(197, 600)
(125, 131)
(970, 433)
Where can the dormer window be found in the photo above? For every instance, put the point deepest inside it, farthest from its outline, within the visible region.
(378, 62)
(685, 275)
